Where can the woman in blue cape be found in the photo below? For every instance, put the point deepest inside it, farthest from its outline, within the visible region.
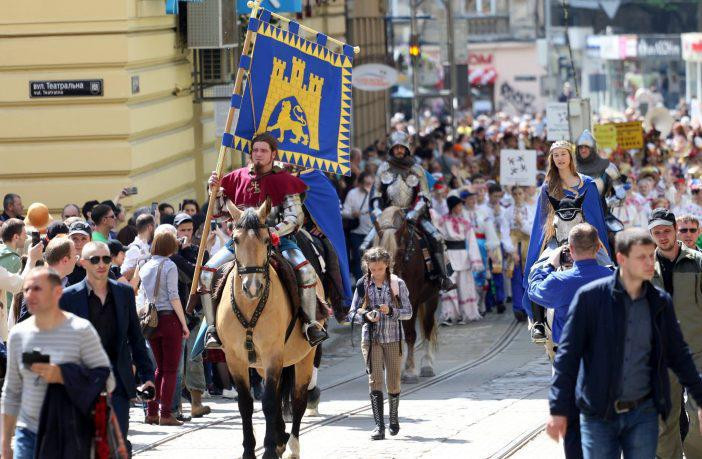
(562, 180)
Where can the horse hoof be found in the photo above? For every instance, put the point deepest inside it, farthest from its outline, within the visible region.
(427, 372)
(280, 449)
(410, 379)
(312, 412)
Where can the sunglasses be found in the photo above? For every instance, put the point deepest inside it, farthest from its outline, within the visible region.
(106, 259)
(687, 230)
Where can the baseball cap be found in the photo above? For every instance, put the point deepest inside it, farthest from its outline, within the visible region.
(80, 228)
(661, 217)
(182, 218)
(55, 228)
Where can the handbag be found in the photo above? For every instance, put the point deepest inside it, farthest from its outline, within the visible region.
(148, 314)
(351, 223)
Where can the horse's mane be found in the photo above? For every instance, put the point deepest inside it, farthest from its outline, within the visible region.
(249, 220)
(389, 221)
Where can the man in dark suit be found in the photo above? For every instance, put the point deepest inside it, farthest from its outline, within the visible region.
(111, 308)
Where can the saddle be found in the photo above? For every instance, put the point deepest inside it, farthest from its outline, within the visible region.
(287, 277)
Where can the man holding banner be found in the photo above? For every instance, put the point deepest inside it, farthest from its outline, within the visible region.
(250, 187)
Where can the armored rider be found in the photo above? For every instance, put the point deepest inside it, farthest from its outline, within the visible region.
(401, 182)
(250, 187)
(609, 181)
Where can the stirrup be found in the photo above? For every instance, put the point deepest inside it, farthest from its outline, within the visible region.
(212, 339)
(317, 335)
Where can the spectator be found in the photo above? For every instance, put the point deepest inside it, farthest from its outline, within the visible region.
(120, 216)
(618, 374)
(104, 218)
(159, 285)
(688, 231)
(70, 210)
(61, 256)
(79, 232)
(14, 236)
(140, 250)
(110, 308)
(166, 209)
(12, 207)
(12, 282)
(67, 339)
(678, 270)
(55, 229)
(357, 205)
(87, 209)
(117, 252)
(190, 207)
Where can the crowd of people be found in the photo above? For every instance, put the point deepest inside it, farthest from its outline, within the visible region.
(484, 238)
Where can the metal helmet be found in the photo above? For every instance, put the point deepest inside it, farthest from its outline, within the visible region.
(400, 138)
(586, 140)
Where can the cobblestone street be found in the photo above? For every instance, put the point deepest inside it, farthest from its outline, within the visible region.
(487, 400)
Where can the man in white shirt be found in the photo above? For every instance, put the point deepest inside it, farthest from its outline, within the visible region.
(357, 205)
(140, 250)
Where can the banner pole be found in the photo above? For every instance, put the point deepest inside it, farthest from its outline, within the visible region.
(223, 153)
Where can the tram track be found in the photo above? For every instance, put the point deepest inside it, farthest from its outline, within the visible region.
(500, 344)
(519, 442)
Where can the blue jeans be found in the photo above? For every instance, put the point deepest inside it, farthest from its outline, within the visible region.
(25, 441)
(120, 405)
(634, 433)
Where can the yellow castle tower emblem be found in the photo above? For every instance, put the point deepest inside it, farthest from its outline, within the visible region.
(290, 118)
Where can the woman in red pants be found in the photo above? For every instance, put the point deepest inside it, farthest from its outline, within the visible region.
(159, 284)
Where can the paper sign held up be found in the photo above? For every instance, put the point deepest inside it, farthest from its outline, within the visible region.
(518, 167)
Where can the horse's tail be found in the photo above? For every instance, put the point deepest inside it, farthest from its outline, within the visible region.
(428, 325)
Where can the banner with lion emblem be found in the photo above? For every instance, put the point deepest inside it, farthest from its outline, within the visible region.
(300, 92)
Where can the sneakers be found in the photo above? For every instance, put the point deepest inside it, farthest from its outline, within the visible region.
(446, 323)
(230, 394)
(538, 333)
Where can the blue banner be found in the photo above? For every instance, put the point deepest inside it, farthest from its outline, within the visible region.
(300, 92)
(279, 6)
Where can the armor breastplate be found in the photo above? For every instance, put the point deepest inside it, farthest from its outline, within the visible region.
(399, 191)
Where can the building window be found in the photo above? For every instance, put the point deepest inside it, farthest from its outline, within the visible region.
(485, 6)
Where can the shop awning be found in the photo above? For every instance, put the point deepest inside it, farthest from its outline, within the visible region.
(482, 75)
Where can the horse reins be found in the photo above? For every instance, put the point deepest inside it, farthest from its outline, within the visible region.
(250, 324)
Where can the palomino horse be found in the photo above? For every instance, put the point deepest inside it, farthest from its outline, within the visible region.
(254, 294)
(402, 241)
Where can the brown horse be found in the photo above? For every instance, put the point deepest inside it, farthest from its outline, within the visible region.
(253, 284)
(399, 238)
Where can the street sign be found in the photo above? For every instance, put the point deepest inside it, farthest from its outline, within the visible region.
(518, 167)
(557, 121)
(65, 88)
(277, 6)
(373, 77)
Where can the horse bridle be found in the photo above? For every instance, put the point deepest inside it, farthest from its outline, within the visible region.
(263, 299)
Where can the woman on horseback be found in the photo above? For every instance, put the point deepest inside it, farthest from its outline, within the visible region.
(562, 181)
(380, 302)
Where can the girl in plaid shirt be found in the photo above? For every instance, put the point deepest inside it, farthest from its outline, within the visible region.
(381, 301)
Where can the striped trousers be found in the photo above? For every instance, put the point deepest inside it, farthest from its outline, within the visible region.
(385, 362)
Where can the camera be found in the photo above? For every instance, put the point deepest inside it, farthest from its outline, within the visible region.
(36, 238)
(36, 356)
(132, 190)
(566, 259)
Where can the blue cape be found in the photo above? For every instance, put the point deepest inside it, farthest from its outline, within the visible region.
(592, 214)
(322, 202)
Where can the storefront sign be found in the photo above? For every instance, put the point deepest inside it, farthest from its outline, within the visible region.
(518, 167)
(477, 59)
(659, 47)
(617, 47)
(625, 135)
(557, 121)
(692, 46)
(65, 88)
(373, 77)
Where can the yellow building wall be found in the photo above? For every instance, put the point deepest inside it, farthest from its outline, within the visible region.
(72, 149)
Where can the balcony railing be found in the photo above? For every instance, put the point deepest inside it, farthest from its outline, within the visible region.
(486, 28)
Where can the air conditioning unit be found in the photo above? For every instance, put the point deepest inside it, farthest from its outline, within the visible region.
(212, 24)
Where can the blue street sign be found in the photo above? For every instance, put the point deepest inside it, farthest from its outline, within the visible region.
(277, 6)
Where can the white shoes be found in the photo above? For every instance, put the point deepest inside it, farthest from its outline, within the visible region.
(229, 393)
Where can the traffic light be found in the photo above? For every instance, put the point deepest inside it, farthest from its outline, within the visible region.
(414, 49)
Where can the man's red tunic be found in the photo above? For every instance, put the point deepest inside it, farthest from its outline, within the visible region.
(245, 189)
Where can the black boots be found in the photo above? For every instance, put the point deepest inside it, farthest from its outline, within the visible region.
(394, 401)
(376, 398)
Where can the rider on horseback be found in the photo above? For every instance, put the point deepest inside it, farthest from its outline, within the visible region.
(401, 182)
(250, 187)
